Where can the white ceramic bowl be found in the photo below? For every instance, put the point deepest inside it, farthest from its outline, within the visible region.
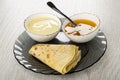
(42, 38)
(86, 37)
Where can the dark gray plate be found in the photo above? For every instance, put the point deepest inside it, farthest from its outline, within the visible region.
(92, 51)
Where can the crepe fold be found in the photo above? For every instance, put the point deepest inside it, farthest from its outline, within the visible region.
(61, 58)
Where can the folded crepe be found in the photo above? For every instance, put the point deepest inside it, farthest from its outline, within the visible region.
(61, 58)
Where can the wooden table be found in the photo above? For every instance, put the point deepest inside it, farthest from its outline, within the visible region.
(13, 13)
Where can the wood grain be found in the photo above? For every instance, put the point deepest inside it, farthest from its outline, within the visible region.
(13, 13)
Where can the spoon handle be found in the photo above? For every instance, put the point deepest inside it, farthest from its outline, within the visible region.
(51, 5)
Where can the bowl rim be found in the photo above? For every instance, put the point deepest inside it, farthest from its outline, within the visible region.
(42, 14)
(98, 25)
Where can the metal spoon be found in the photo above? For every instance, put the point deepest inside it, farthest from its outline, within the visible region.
(51, 5)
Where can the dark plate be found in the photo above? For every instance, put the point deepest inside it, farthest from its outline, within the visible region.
(92, 51)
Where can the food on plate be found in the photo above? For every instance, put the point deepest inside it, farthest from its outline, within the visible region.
(43, 25)
(84, 27)
(61, 58)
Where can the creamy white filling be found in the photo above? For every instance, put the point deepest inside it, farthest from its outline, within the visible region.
(45, 24)
(82, 29)
(43, 27)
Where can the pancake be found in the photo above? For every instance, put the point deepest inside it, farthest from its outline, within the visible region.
(61, 58)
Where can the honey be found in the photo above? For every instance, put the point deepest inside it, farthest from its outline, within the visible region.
(82, 21)
(84, 26)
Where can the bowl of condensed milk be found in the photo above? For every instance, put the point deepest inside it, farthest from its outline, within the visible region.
(42, 27)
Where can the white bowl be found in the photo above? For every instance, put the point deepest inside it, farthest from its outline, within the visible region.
(86, 37)
(42, 38)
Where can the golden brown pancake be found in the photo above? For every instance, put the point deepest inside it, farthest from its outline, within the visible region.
(61, 58)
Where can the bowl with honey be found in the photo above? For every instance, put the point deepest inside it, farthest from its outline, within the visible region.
(87, 27)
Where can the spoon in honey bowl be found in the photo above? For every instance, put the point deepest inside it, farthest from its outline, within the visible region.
(51, 5)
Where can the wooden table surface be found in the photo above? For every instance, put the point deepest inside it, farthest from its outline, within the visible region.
(13, 13)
